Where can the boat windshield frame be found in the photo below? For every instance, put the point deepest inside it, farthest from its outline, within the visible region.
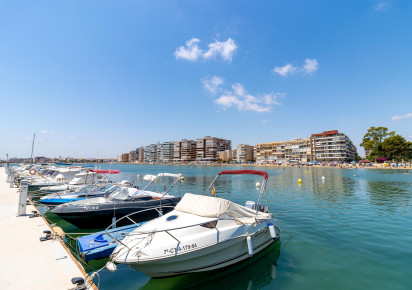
(122, 193)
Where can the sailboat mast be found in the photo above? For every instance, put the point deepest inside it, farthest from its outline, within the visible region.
(32, 146)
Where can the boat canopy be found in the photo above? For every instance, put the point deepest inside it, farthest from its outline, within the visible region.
(105, 171)
(170, 175)
(257, 172)
(214, 207)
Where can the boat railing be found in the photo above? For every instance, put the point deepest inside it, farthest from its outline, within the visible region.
(212, 223)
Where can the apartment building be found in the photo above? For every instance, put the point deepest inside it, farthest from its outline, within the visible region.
(141, 154)
(244, 153)
(150, 153)
(332, 146)
(132, 156)
(207, 148)
(184, 150)
(298, 150)
(125, 157)
(164, 151)
(227, 155)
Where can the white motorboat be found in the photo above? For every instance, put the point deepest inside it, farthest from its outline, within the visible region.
(63, 176)
(202, 233)
(80, 180)
(100, 212)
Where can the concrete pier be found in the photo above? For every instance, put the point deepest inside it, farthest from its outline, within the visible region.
(25, 262)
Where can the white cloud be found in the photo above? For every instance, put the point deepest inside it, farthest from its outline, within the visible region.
(382, 6)
(285, 70)
(238, 98)
(46, 132)
(395, 118)
(238, 89)
(28, 138)
(212, 84)
(191, 52)
(224, 49)
(310, 66)
(264, 122)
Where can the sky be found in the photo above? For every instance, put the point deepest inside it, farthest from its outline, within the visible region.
(98, 78)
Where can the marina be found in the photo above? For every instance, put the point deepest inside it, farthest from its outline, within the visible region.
(334, 223)
(221, 145)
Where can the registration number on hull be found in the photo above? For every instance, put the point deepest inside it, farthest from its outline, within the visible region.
(91, 207)
(180, 249)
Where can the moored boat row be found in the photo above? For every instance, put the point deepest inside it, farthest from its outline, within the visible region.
(163, 235)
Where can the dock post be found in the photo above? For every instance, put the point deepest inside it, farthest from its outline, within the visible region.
(23, 198)
(12, 180)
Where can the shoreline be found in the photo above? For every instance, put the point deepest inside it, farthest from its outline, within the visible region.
(409, 167)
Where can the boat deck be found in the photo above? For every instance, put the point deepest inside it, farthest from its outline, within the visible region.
(25, 262)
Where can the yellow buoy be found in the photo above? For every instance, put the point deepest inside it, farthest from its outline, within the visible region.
(299, 180)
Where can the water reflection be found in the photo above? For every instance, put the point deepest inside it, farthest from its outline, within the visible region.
(335, 186)
(389, 194)
(254, 273)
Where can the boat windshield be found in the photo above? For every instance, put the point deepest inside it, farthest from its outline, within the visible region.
(120, 193)
(87, 188)
(108, 189)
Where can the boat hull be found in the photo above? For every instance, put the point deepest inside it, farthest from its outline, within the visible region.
(101, 216)
(209, 258)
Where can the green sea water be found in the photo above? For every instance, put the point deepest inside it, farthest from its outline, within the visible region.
(350, 230)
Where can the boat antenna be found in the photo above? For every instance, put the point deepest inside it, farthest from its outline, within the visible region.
(32, 146)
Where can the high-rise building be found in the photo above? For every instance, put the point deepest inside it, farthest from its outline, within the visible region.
(150, 153)
(165, 151)
(332, 146)
(132, 156)
(184, 150)
(244, 153)
(207, 148)
(141, 154)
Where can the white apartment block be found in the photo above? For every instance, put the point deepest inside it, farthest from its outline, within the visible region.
(332, 146)
(164, 152)
(285, 151)
(150, 153)
(328, 146)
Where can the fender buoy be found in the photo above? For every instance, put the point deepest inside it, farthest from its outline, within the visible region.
(32, 171)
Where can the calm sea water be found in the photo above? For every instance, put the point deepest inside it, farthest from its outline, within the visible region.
(351, 231)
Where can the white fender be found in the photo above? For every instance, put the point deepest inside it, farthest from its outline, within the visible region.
(111, 266)
(272, 230)
(114, 222)
(249, 246)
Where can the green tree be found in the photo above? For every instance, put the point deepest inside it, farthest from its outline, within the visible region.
(373, 139)
(396, 147)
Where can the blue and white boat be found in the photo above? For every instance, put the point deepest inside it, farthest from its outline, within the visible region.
(86, 192)
(101, 244)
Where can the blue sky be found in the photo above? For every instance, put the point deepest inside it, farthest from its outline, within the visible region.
(98, 78)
